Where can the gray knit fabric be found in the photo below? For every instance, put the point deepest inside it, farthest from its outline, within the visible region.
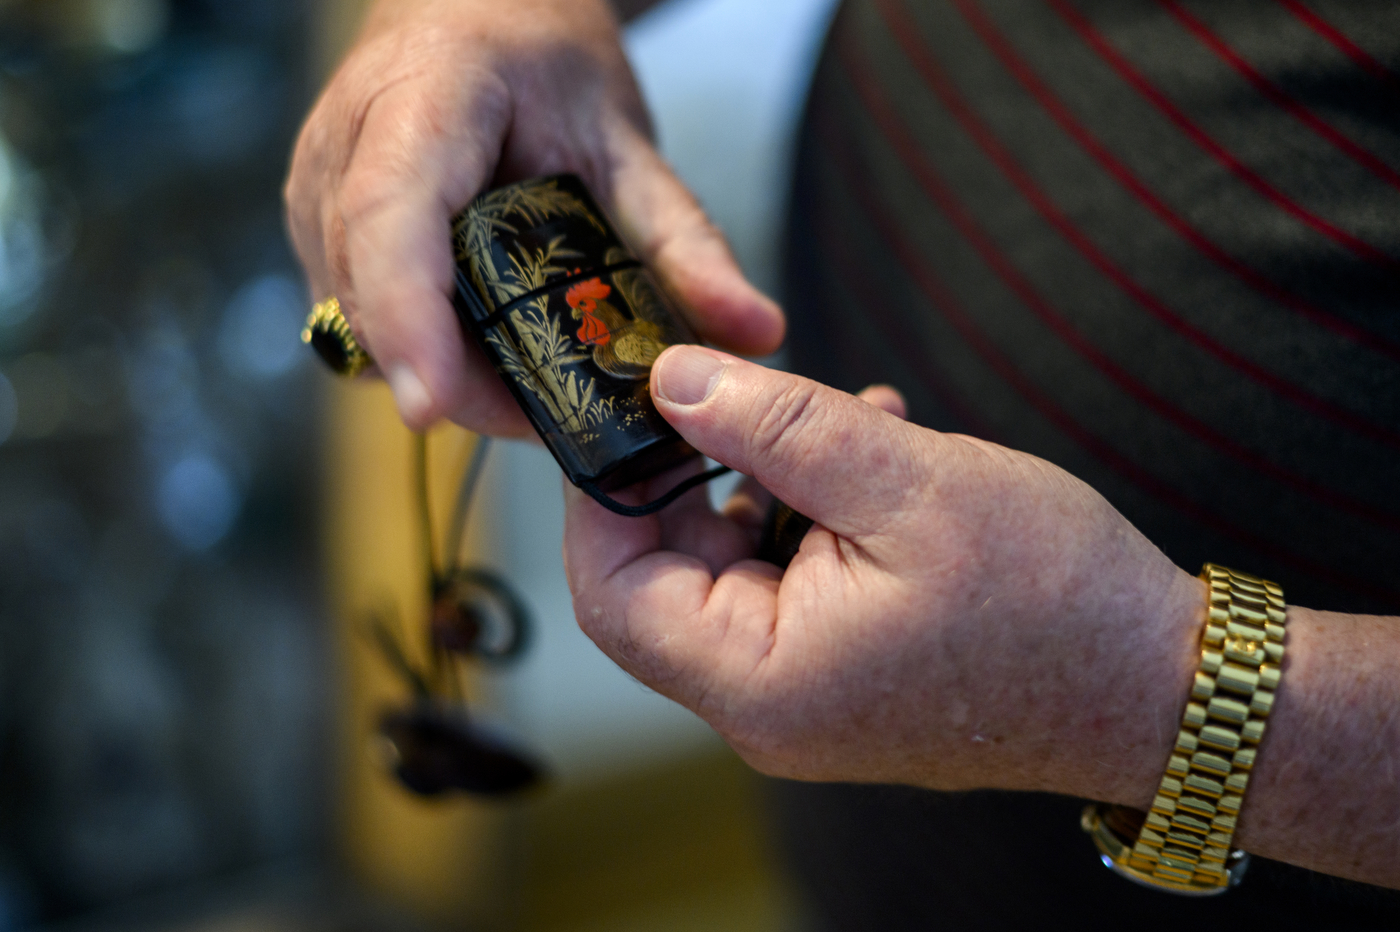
(1158, 244)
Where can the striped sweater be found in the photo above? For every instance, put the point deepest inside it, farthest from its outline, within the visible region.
(1154, 242)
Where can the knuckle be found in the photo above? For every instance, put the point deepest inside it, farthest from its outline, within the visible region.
(421, 126)
(675, 243)
(300, 188)
(592, 617)
(365, 192)
(783, 428)
(337, 257)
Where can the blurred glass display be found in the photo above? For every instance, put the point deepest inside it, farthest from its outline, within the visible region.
(163, 683)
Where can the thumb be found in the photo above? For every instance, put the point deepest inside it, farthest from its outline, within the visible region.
(661, 219)
(839, 460)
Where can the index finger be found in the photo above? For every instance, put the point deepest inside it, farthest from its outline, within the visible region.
(411, 168)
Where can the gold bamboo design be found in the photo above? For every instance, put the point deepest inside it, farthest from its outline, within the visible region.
(476, 228)
(539, 351)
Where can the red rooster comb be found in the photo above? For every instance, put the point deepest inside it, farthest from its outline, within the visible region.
(593, 289)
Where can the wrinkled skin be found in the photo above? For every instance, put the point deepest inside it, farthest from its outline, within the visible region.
(436, 102)
(963, 615)
(955, 619)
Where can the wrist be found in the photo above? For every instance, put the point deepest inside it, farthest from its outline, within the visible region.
(1143, 682)
(1098, 715)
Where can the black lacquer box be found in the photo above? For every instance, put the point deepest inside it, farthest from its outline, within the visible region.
(572, 322)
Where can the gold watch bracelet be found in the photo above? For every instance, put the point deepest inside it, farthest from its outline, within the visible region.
(1184, 844)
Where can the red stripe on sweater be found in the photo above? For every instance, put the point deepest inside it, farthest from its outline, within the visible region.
(1061, 114)
(938, 190)
(854, 278)
(941, 297)
(905, 32)
(1362, 58)
(1278, 96)
(1134, 78)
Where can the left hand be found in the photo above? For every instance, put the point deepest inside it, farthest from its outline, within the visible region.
(962, 615)
(437, 100)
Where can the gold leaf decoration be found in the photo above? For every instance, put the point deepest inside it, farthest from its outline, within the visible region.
(509, 210)
(537, 361)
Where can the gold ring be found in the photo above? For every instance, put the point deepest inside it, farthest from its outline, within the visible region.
(329, 334)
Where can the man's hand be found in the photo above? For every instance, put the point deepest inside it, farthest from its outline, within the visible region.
(962, 615)
(438, 100)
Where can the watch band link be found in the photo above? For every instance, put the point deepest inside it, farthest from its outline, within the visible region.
(1185, 840)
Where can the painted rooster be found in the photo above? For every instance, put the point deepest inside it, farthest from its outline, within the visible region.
(621, 347)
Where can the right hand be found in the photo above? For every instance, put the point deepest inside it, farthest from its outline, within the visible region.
(961, 615)
(441, 99)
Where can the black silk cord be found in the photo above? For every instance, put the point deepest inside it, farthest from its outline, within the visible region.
(651, 508)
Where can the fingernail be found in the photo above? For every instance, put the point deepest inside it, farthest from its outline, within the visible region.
(688, 375)
(410, 393)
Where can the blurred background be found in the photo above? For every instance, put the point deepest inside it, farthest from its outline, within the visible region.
(195, 519)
